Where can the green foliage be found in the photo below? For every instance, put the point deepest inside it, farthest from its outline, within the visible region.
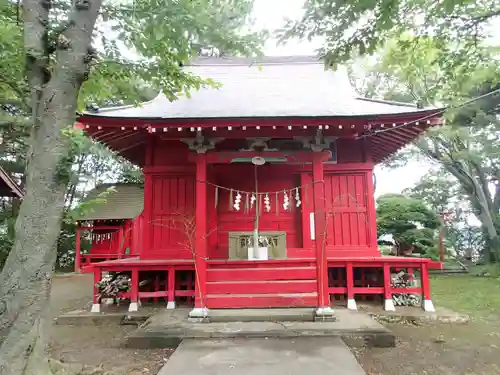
(442, 193)
(132, 175)
(360, 27)
(409, 221)
(160, 41)
(7, 235)
(77, 144)
(138, 49)
(438, 190)
(467, 148)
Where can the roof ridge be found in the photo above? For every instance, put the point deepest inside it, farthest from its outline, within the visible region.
(389, 102)
(394, 102)
(118, 183)
(249, 61)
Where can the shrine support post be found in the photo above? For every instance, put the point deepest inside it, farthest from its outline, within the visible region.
(323, 311)
(200, 310)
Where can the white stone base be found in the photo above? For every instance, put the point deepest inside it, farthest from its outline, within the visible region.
(389, 305)
(324, 314)
(96, 308)
(351, 304)
(199, 315)
(428, 306)
(199, 312)
(324, 311)
(133, 307)
(171, 305)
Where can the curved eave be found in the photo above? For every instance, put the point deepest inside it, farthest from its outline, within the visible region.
(384, 144)
(387, 133)
(103, 119)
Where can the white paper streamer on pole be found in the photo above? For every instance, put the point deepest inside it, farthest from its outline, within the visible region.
(267, 202)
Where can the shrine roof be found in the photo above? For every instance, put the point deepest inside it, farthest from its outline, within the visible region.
(269, 87)
(8, 187)
(124, 201)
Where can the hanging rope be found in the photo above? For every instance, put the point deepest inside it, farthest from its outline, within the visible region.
(282, 191)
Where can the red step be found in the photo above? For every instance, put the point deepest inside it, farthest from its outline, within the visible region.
(238, 301)
(88, 268)
(255, 274)
(261, 287)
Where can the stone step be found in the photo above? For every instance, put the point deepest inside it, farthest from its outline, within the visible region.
(236, 301)
(164, 330)
(261, 286)
(262, 315)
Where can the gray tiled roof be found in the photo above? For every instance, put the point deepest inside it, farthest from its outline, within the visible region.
(124, 201)
(273, 87)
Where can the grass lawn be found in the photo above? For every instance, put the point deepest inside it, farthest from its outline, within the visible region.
(477, 296)
(446, 349)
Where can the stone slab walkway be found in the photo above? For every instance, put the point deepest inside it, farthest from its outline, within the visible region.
(273, 356)
(169, 327)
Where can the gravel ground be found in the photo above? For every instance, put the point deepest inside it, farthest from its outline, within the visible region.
(95, 346)
(437, 349)
(444, 349)
(434, 349)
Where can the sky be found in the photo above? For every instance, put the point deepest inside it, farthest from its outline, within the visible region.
(271, 14)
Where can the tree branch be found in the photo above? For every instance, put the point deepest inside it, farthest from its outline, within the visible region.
(484, 183)
(18, 90)
(36, 21)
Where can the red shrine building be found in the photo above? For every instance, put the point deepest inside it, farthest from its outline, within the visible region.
(258, 193)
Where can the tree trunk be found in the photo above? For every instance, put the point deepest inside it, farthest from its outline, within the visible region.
(26, 277)
(476, 187)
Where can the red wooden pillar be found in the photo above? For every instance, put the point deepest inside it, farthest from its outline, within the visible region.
(171, 288)
(78, 254)
(200, 250)
(134, 291)
(147, 229)
(305, 182)
(372, 220)
(320, 231)
(121, 242)
(96, 303)
(388, 302)
(351, 302)
(427, 304)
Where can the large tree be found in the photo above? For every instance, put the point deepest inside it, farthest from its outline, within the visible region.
(56, 56)
(362, 26)
(439, 190)
(410, 222)
(431, 52)
(468, 146)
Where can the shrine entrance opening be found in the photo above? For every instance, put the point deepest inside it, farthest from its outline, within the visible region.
(265, 204)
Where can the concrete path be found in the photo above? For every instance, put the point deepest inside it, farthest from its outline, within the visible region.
(297, 356)
(169, 327)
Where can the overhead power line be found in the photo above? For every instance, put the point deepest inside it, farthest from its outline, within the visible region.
(438, 112)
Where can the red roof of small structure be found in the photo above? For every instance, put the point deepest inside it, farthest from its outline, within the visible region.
(8, 188)
(263, 97)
